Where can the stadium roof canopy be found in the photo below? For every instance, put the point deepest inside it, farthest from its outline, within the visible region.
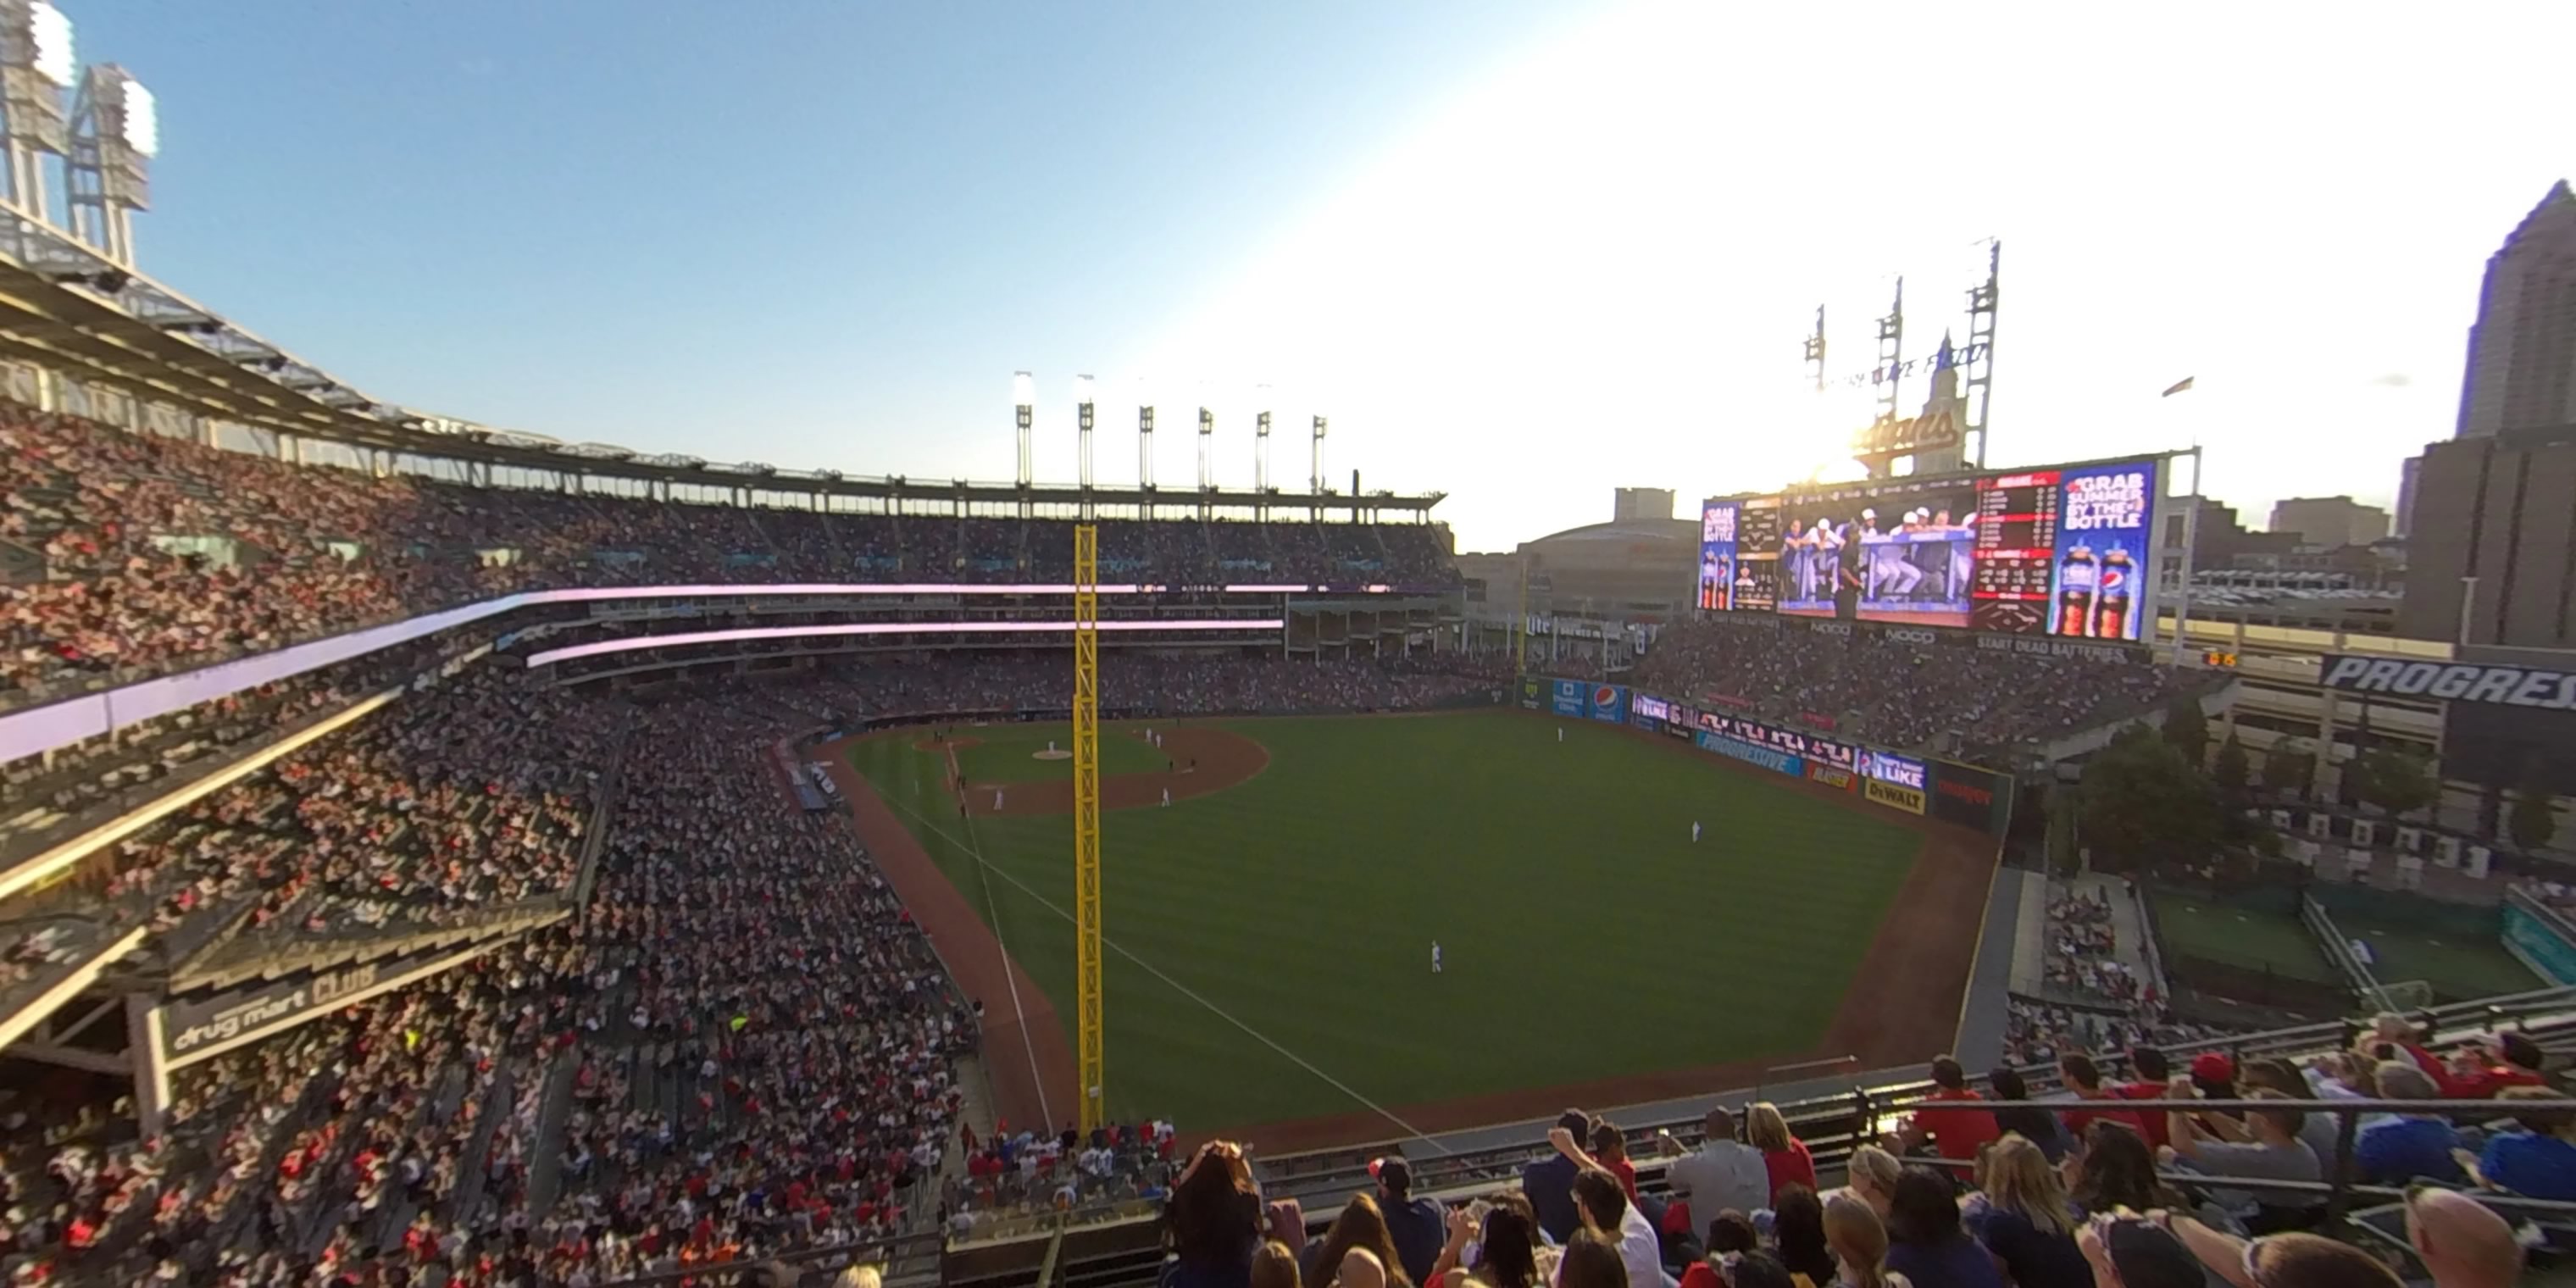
(66, 308)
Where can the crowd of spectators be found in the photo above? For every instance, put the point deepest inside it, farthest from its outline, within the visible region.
(2083, 953)
(743, 1045)
(158, 553)
(1183, 685)
(1895, 692)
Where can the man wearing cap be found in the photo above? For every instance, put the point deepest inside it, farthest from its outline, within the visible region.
(2479, 1071)
(1419, 1226)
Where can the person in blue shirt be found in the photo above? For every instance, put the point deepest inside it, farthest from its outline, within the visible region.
(2407, 1147)
(1549, 1182)
(1418, 1226)
(1926, 1242)
(2538, 1162)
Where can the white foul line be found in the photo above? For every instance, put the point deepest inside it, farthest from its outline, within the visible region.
(993, 914)
(1185, 990)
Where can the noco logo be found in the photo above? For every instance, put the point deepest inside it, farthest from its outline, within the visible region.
(1912, 635)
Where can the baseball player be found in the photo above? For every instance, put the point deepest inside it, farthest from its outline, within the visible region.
(997, 799)
(1560, 733)
(1435, 956)
(1694, 831)
(1167, 798)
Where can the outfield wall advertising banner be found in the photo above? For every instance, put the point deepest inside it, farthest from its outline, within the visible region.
(1647, 704)
(1568, 698)
(1891, 779)
(1778, 762)
(1969, 796)
(1533, 692)
(1607, 703)
(1833, 776)
(1805, 746)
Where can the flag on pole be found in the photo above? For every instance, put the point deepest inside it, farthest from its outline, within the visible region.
(2177, 387)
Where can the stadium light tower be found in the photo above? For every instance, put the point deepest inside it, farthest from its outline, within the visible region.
(1315, 484)
(116, 131)
(1145, 447)
(1207, 462)
(1261, 459)
(36, 66)
(1024, 397)
(1082, 419)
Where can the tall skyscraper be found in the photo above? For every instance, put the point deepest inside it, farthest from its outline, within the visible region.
(2406, 476)
(2522, 349)
(2491, 520)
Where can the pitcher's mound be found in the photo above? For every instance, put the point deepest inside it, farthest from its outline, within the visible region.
(1051, 753)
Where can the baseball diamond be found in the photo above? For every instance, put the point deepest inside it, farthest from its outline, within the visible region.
(1305, 858)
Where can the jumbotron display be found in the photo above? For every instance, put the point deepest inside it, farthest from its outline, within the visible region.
(2059, 551)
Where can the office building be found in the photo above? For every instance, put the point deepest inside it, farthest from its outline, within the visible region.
(2522, 348)
(2405, 516)
(2330, 521)
(1632, 503)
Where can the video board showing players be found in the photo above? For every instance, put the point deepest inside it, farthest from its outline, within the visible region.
(2062, 552)
(1892, 550)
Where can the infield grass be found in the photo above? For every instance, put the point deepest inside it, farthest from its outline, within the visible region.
(1585, 935)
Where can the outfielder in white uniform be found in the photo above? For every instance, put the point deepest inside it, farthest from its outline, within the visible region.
(1435, 956)
(1560, 733)
(997, 798)
(1694, 832)
(1167, 797)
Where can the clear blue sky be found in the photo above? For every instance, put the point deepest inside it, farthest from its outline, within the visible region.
(1520, 252)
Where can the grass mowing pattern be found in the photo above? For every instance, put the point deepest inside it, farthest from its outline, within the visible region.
(1586, 936)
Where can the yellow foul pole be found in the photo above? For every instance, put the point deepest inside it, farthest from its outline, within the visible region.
(1086, 817)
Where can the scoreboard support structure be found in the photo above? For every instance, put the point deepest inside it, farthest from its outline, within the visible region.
(1086, 820)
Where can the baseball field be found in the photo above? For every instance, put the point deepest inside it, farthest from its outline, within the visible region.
(1268, 933)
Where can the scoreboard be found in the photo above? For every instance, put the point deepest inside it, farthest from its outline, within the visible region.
(2016, 547)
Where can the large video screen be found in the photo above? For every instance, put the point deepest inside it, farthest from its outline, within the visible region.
(1893, 551)
(1717, 524)
(2064, 552)
(2061, 551)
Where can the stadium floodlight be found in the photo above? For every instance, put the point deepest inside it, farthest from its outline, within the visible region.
(1082, 391)
(1024, 389)
(49, 35)
(142, 125)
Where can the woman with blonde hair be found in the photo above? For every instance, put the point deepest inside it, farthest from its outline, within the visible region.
(1783, 1156)
(1274, 1265)
(2023, 1218)
(1873, 1172)
(1360, 1228)
(1859, 1242)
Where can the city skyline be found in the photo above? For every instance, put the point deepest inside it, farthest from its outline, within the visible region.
(1521, 254)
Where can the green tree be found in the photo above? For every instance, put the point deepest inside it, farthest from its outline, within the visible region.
(2399, 782)
(2290, 768)
(2187, 729)
(2232, 771)
(2534, 819)
(2145, 807)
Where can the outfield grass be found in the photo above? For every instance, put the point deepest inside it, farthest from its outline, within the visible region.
(2458, 969)
(1009, 754)
(1586, 936)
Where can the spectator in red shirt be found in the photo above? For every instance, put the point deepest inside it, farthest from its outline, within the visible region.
(1610, 1153)
(1958, 1133)
(2084, 1078)
(2154, 1082)
(1784, 1156)
(2479, 1070)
